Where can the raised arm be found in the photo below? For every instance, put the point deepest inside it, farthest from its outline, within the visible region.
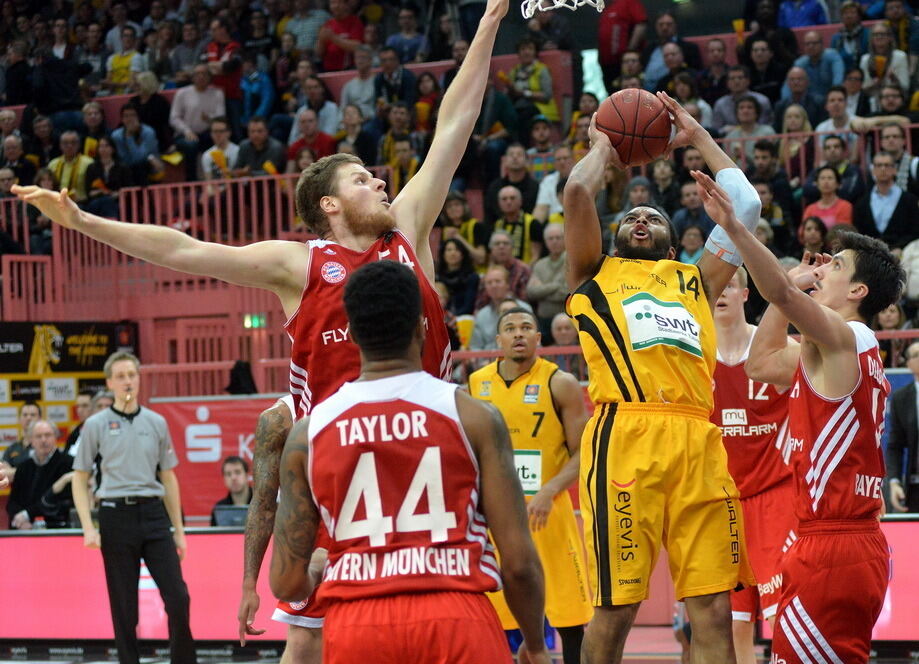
(418, 204)
(505, 511)
(773, 356)
(296, 522)
(274, 265)
(273, 426)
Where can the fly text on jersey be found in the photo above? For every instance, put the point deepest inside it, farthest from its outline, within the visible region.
(382, 428)
(447, 561)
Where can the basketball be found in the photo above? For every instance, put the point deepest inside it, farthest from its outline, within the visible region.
(637, 124)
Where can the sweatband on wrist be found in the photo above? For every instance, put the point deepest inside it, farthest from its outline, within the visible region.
(747, 210)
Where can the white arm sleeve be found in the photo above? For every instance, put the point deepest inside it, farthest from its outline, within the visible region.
(747, 209)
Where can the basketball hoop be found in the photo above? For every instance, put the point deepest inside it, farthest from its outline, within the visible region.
(530, 7)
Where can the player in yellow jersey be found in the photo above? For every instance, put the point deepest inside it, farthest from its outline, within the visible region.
(544, 411)
(653, 468)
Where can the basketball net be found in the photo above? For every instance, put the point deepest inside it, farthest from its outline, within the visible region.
(530, 7)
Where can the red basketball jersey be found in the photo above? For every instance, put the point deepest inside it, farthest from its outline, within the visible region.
(836, 456)
(753, 418)
(397, 485)
(323, 356)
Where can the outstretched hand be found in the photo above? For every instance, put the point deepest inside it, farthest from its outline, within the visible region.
(56, 205)
(716, 201)
(804, 275)
(687, 127)
(599, 137)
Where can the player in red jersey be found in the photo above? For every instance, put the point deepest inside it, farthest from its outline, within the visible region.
(753, 418)
(349, 209)
(834, 576)
(408, 473)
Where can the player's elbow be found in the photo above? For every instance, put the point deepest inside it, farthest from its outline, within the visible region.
(576, 191)
(290, 586)
(522, 570)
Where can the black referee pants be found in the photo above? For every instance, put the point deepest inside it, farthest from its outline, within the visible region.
(129, 533)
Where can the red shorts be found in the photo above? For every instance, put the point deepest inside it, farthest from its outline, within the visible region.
(309, 613)
(769, 522)
(834, 581)
(428, 628)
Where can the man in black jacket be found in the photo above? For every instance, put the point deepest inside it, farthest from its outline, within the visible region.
(41, 487)
(886, 211)
(903, 473)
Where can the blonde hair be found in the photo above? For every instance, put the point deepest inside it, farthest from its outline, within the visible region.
(147, 82)
(784, 144)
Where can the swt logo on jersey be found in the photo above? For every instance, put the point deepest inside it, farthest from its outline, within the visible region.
(653, 322)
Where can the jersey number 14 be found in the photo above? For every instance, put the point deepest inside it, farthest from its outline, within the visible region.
(365, 487)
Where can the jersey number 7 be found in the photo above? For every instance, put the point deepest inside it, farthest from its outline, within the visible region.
(375, 526)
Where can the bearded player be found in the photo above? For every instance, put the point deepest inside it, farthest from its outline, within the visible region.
(834, 576)
(407, 472)
(348, 208)
(753, 418)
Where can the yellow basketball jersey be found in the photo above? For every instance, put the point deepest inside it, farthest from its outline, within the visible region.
(647, 333)
(536, 432)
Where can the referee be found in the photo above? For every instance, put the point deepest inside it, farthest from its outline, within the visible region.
(135, 509)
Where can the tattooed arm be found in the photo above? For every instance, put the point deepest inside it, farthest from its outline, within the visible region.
(296, 522)
(270, 434)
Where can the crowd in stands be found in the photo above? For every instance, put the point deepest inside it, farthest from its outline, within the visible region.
(248, 102)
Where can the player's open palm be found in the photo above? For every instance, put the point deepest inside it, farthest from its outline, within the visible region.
(57, 206)
(538, 509)
(686, 125)
(716, 201)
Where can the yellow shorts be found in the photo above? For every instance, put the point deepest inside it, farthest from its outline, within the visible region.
(560, 549)
(652, 474)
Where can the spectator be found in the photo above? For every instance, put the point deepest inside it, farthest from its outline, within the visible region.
(7, 180)
(692, 244)
(884, 63)
(665, 190)
(801, 13)
(70, 168)
(766, 74)
(339, 37)
(404, 165)
(530, 85)
(41, 147)
(41, 487)
(193, 108)
(686, 91)
(124, 64)
(82, 409)
(905, 29)
(858, 103)
(766, 166)
(781, 40)
(443, 38)
(393, 83)
(547, 202)
(354, 136)
(94, 127)
(893, 351)
(813, 236)
(496, 288)
(587, 106)
(851, 42)
(104, 177)
(92, 52)
(494, 129)
(136, 146)
(691, 212)
(891, 101)
(525, 231)
(548, 288)
(261, 41)
(766, 235)
(18, 89)
(411, 45)
(724, 111)
(457, 222)
(798, 85)
(887, 211)
(222, 55)
(188, 54)
(893, 142)
(218, 160)
(303, 160)
(17, 453)
(552, 31)
(315, 95)
(675, 64)
(235, 473)
(256, 88)
(305, 24)
(712, 80)
(824, 66)
(400, 124)
(830, 207)
(359, 90)
(14, 159)
(153, 108)
(653, 56)
(158, 58)
(838, 120)
(259, 154)
(852, 185)
(458, 51)
(457, 272)
(747, 110)
(631, 67)
(539, 154)
(637, 193)
(796, 150)
(517, 175)
(119, 20)
(428, 95)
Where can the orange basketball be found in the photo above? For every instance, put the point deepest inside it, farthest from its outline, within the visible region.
(637, 124)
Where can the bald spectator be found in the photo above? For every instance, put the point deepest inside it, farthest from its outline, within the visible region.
(319, 142)
(501, 253)
(525, 231)
(14, 158)
(797, 82)
(547, 287)
(193, 108)
(41, 486)
(676, 65)
(70, 168)
(517, 174)
(495, 290)
(824, 66)
(724, 112)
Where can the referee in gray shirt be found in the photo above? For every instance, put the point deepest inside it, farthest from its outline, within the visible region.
(135, 511)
